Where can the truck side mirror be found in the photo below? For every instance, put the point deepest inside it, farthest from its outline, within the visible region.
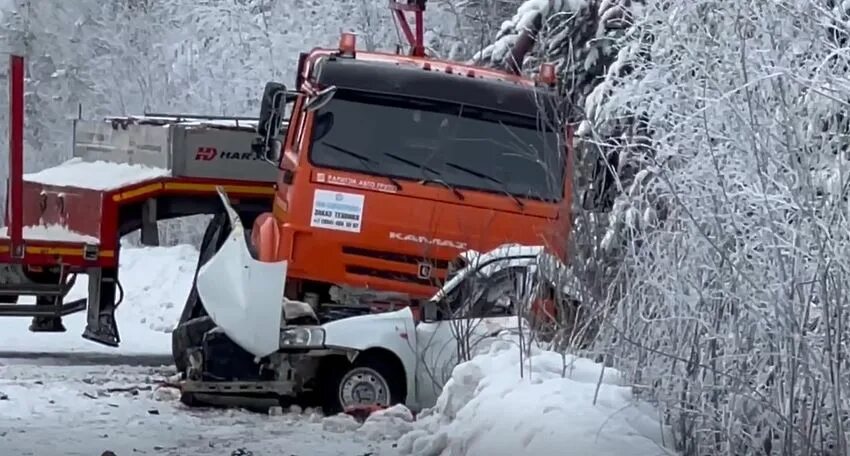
(272, 111)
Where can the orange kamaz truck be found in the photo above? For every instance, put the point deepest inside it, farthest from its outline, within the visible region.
(391, 168)
(360, 192)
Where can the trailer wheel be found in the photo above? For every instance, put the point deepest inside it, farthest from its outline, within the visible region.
(187, 335)
(373, 379)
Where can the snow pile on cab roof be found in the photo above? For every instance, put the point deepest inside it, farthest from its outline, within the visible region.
(487, 409)
(156, 282)
(95, 175)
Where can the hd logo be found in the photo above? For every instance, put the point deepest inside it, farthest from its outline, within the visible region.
(212, 153)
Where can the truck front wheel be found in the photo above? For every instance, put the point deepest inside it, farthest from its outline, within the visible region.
(372, 380)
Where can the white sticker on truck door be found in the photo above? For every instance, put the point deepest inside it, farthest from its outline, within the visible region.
(337, 211)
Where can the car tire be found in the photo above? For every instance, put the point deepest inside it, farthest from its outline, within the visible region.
(375, 377)
(187, 335)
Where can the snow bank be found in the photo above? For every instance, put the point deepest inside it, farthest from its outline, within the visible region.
(487, 409)
(156, 281)
(97, 175)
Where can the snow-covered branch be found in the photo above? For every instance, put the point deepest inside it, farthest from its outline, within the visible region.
(732, 232)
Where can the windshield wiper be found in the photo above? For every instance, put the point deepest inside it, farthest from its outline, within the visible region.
(425, 179)
(504, 190)
(368, 162)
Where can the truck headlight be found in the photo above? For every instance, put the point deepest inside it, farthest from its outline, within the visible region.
(302, 337)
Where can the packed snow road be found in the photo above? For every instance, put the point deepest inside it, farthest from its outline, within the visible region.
(63, 395)
(67, 405)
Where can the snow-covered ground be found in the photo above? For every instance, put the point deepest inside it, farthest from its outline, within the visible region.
(61, 410)
(63, 395)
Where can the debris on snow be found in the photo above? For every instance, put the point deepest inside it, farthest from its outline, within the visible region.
(166, 394)
(340, 423)
(296, 409)
(388, 424)
(361, 412)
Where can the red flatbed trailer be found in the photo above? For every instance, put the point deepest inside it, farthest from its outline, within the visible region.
(126, 173)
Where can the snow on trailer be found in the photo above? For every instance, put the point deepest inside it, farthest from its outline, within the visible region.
(126, 173)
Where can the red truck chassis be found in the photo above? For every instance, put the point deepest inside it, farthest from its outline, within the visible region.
(55, 230)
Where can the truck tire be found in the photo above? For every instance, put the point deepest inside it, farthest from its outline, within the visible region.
(187, 335)
(373, 377)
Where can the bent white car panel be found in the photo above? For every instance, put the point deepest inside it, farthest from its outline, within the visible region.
(243, 296)
(393, 331)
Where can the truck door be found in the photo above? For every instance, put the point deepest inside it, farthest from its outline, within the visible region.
(475, 311)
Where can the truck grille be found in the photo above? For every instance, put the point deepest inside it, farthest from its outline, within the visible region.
(391, 275)
(438, 273)
(396, 257)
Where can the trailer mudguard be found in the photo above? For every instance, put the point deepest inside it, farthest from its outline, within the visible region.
(242, 295)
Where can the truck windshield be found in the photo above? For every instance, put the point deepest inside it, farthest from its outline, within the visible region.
(464, 146)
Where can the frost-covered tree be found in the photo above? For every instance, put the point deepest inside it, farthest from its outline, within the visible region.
(582, 38)
(730, 299)
(186, 56)
(461, 28)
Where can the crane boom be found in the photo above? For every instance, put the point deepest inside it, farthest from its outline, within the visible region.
(415, 36)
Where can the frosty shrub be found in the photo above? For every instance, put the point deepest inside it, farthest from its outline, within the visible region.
(730, 297)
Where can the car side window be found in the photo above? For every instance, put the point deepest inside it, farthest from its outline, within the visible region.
(481, 295)
(498, 294)
(452, 305)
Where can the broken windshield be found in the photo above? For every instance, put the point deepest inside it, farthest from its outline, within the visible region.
(464, 146)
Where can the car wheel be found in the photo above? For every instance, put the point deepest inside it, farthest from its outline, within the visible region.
(370, 381)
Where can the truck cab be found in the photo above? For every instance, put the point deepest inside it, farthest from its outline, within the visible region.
(393, 165)
(394, 172)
